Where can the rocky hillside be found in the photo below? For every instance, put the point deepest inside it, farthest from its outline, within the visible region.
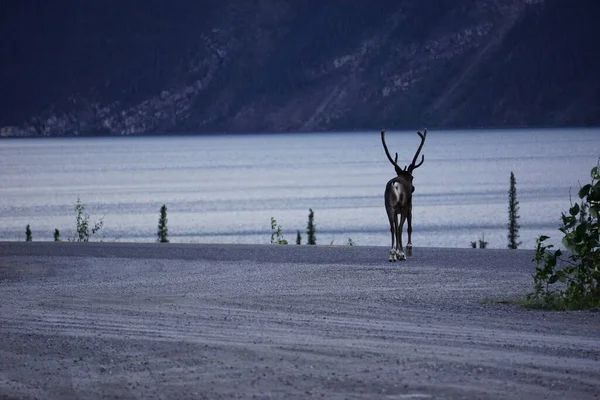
(122, 68)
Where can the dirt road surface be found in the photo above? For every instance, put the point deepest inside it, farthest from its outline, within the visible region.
(175, 321)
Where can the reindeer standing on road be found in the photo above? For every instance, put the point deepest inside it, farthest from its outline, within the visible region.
(398, 198)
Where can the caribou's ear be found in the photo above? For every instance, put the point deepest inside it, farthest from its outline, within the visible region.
(413, 189)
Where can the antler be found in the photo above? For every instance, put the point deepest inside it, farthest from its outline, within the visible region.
(412, 165)
(387, 153)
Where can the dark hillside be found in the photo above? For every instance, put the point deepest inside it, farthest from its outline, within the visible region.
(123, 68)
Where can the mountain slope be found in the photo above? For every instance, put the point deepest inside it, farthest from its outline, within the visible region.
(88, 68)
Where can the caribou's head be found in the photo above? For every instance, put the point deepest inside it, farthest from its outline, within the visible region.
(407, 172)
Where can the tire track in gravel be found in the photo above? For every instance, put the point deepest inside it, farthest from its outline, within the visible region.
(227, 326)
(84, 320)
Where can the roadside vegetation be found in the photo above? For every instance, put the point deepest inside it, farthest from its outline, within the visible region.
(513, 214)
(28, 235)
(311, 231)
(277, 233)
(513, 219)
(311, 228)
(84, 230)
(481, 242)
(162, 232)
(570, 279)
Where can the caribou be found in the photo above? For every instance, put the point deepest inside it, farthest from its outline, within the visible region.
(398, 198)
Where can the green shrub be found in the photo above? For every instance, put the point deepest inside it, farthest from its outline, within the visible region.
(82, 224)
(574, 282)
(277, 233)
(56, 235)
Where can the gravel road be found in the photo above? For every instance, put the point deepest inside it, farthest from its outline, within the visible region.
(181, 321)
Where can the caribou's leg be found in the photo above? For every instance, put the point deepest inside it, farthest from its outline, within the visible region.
(401, 255)
(393, 223)
(409, 230)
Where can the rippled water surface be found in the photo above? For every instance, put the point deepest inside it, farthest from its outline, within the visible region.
(225, 188)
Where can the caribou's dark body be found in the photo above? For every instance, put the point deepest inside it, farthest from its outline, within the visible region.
(398, 199)
(398, 202)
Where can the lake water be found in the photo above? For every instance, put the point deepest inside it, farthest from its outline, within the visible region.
(224, 189)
